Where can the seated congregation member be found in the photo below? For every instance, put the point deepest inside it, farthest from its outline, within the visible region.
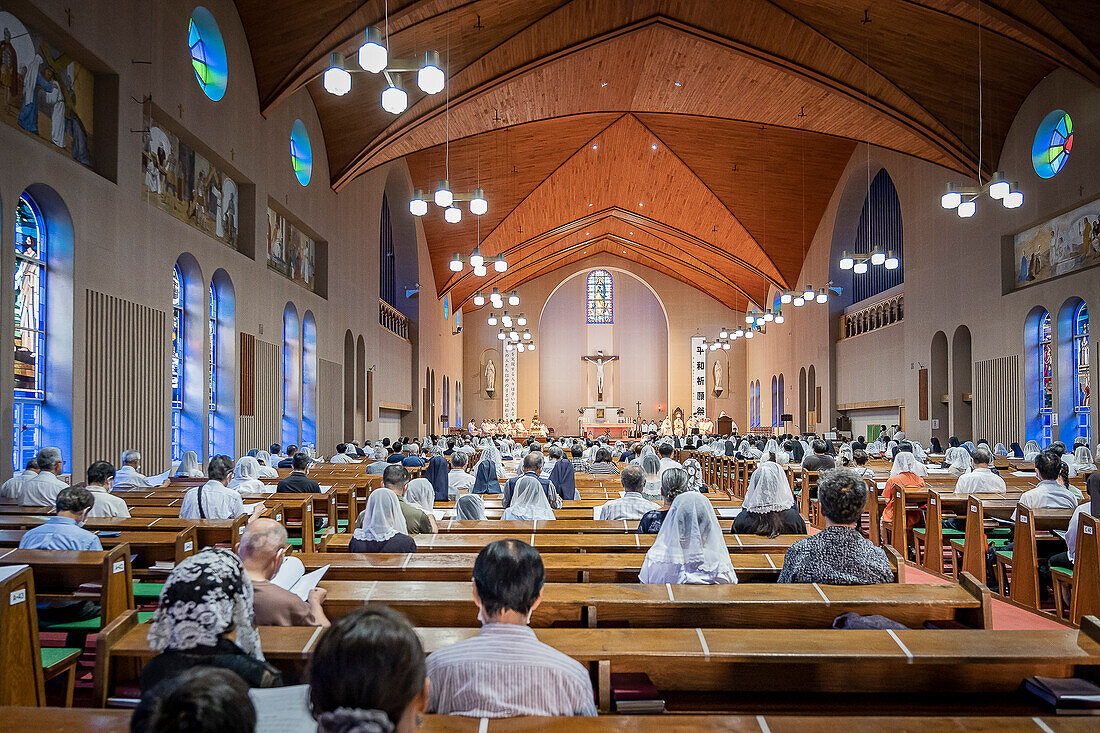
(189, 466)
(13, 487)
(378, 465)
(690, 548)
(957, 461)
(665, 452)
(42, 490)
(859, 464)
(262, 548)
(1059, 448)
(1049, 493)
(246, 476)
(341, 455)
(839, 554)
(417, 521)
(769, 509)
(553, 455)
(100, 476)
(367, 674)
(694, 472)
(129, 473)
(458, 479)
(651, 464)
(298, 482)
(576, 457)
(470, 506)
(532, 468)
(819, 461)
(603, 463)
(631, 505)
(411, 456)
(266, 469)
(199, 700)
(529, 501)
(479, 677)
(1031, 450)
(214, 500)
(381, 526)
(63, 531)
(288, 462)
(421, 493)
(205, 597)
(1082, 459)
(673, 483)
(1069, 557)
(438, 475)
(980, 480)
(396, 455)
(562, 476)
(905, 474)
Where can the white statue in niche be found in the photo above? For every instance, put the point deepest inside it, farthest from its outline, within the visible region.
(490, 377)
(717, 372)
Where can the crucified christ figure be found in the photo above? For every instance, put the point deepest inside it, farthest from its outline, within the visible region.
(599, 360)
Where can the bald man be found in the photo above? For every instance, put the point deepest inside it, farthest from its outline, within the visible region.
(262, 549)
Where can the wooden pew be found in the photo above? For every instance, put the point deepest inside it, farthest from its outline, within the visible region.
(566, 526)
(1024, 557)
(779, 606)
(21, 677)
(1084, 580)
(59, 573)
(554, 542)
(150, 547)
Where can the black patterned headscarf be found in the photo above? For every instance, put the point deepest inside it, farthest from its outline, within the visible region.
(205, 595)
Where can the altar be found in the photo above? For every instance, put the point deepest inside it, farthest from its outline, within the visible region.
(601, 420)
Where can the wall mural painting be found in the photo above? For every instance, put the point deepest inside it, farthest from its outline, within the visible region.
(185, 184)
(289, 251)
(1064, 244)
(43, 91)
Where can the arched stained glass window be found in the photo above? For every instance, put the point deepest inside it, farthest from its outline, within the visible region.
(775, 402)
(1046, 378)
(212, 373)
(601, 297)
(30, 329)
(1082, 387)
(782, 401)
(178, 339)
(208, 58)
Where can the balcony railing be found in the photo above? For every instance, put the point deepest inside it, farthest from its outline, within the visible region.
(393, 320)
(886, 312)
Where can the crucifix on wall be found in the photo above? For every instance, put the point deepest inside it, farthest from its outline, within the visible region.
(599, 360)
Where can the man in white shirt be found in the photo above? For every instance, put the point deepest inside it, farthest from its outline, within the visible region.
(981, 480)
(13, 487)
(1050, 494)
(42, 490)
(100, 479)
(129, 475)
(342, 455)
(665, 452)
(458, 479)
(631, 505)
(213, 500)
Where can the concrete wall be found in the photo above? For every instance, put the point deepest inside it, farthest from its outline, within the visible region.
(953, 269)
(125, 247)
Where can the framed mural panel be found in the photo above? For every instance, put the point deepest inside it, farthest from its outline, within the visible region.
(290, 251)
(1064, 244)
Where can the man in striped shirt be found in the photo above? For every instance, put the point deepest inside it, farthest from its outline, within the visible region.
(505, 671)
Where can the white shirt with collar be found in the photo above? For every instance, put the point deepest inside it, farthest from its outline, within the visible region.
(980, 481)
(458, 480)
(1051, 495)
(667, 463)
(218, 502)
(128, 476)
(342, 458)
(13, 487)
(1071, 531)
(42, 490)
(107, 504)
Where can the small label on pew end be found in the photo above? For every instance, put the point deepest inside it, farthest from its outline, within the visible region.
(240, 530)
(1023, 519)
(188, 546)
(974, 509)
(278, 517)
(118, 567)
(17, 596)
(1087, 529)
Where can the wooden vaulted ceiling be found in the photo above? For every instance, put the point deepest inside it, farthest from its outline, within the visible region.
(721, 128)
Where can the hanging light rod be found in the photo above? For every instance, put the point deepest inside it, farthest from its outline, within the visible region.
(857, 261)
(373, 58)
(964, 198)
(480, 265)
(445, 199)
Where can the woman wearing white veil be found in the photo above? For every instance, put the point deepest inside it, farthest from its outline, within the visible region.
(529, 501)
(246, 476)
(906, 473)
(384, 528)
(773, 453)
(690, 548)
(958, 461)
(769, 508)
(491, 453)
(1082, 459)
(189, 466)
(266, 469)
(1031, 449)
(421, 493)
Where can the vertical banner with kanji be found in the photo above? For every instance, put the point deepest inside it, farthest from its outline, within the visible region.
(698, 376)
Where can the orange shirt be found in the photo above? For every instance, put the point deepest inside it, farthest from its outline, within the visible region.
(904, 480)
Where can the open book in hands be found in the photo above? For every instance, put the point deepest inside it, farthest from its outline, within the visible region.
(293, 577)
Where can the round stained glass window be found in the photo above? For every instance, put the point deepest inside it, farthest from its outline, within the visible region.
(208, 53)
(1053, 142)
(301, 153)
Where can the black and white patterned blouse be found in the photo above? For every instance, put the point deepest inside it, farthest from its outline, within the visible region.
(836, 556)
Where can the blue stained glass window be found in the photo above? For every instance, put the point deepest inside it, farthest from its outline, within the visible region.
(1082, 386)
(212, 365)
(601, 297)
(208, 58)
(177, 363)
(30, 330)
(1046, 379)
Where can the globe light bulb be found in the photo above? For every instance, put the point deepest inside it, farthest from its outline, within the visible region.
(847, 262)
(513, 299)
(492, 319)
(779, 319)
(860, 268)
(395, 100)
(479, 299)
(500, 265)
(452, 214)
(1013, 200)
(443, 195)
(799, 301)
(418, 206)
(892, 261)
(726, 346)
(456, 263)
(966, 209)
(522, 320)
(951, 199)
(480, 271)
(878, 257)
(373, 56)
(337, 79)
(823, 296)
(430, 78)
(478, 204)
